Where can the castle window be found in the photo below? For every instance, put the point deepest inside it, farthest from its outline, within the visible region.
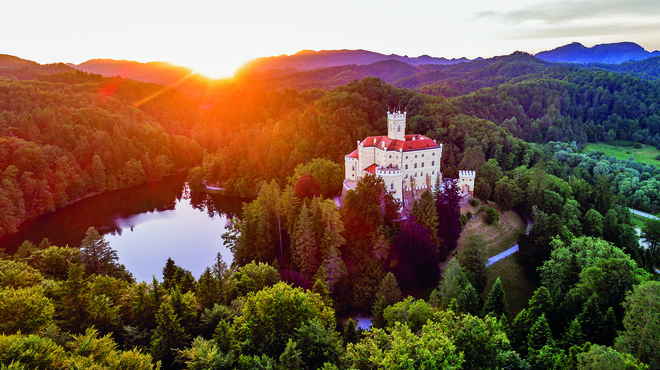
(406, 166)
(353, 169)
(390, 155)
(415, 165)
(422, 164)
(398, 129)
(433, 153)
(433, 172)
(432, 163)
(422, 155)
(391, 186)
(415, 155)
(406, 157)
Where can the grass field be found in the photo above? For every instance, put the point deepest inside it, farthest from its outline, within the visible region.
(517, 287)
(498, 238)
(644, 155)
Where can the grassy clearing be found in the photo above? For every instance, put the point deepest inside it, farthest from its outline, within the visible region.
(517, 287)
(638, 220)
(498, 236)
(644, 155)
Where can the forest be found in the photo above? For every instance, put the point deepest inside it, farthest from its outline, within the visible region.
(301, 264)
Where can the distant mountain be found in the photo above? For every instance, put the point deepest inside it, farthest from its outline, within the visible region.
(604, 53)
(155, 72)
(11, 66)
(308, 60)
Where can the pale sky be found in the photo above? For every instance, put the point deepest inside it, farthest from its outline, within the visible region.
(215, 37)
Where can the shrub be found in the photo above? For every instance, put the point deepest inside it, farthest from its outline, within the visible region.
(492, 216)
(475, 202)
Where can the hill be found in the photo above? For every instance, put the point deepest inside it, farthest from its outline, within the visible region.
(603, 53)
(307, 59)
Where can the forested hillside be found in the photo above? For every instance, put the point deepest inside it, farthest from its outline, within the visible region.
(69, 134)
(301, 264)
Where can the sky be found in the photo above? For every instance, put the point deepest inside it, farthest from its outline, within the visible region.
(215, 37)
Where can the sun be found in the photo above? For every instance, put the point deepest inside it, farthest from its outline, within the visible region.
(217, 69)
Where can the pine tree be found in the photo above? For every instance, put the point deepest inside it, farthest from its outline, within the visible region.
(469, 301)
(168, 336)
(96, 254)
(455, 280)
(333, 268)
(388, 294)
(304, 247)
(540, 335)
(609, 325)
(496, 304)
(208, 290)
(474, 262)
(424, 211)
(591, 320)
(540, 303)
(573, 336)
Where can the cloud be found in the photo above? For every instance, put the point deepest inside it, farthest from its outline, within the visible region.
(563, 11)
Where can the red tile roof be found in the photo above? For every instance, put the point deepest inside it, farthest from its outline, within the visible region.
(354, 154)
(371, 169)
(413, 142)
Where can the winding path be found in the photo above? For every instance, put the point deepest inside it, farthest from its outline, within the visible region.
(502, 255)
(643, 214)
(513, 249)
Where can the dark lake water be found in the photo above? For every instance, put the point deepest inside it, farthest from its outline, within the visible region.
(145, 225)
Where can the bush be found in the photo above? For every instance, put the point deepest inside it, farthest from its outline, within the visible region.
(492, 216)
(464, 219)
(475, 202)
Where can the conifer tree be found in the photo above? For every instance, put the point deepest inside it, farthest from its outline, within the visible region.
(424, 211)
(468, 301)
(573, 336)
(96, 254)
(168, 336)
(474, 263)
(540, 335)
(388, 294)
(304, 247)
(591, 320)
(333, 268)
(455, 280)
(496, 304)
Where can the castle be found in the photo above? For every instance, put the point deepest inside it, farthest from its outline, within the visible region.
(406, 163)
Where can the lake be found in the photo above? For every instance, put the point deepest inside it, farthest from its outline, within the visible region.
(145, 225)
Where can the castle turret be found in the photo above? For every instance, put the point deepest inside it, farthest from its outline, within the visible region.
(396, 125)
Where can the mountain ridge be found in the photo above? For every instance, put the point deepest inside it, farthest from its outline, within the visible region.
(613, 53)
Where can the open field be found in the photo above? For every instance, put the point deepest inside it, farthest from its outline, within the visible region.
(644, 155)
(499, 236)
(517, 287)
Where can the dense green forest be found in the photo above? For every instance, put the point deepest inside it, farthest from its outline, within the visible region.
(301, 263)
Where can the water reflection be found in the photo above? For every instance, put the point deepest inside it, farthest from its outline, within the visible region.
(146, 225)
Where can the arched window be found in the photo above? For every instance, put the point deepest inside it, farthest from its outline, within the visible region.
(391, 186)
(406, 166)
(415, 165)
(422, 164)
(398, 129)
(432, 163)
(353, 168)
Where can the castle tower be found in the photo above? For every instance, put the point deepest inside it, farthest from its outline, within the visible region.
(396, 125)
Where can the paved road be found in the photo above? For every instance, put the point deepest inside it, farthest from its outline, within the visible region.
(643, 214)
(502, 255)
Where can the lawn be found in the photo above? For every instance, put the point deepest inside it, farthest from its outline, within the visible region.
(646, 154)
(517, 287)
(497, 237)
